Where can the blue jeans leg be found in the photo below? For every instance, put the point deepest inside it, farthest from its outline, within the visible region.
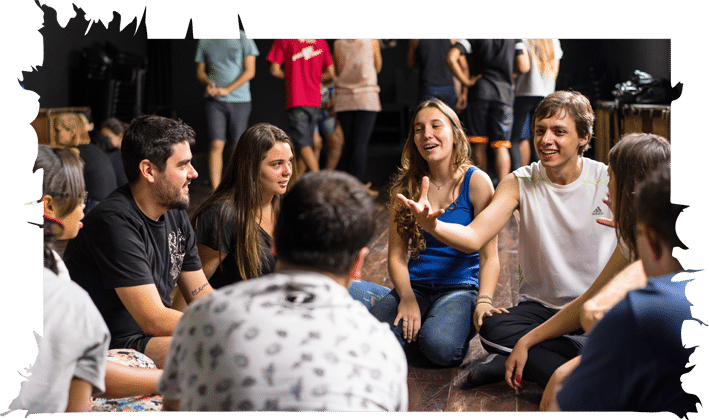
(447, 323)
(386, 309)
(367, 293)
(447, 328)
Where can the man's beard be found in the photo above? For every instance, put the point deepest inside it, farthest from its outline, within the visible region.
(172, 198)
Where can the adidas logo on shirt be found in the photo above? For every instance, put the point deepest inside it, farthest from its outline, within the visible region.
(597, 212)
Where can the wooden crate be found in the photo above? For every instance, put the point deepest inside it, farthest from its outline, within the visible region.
(44, 123)
(636, 118)
(614, 120)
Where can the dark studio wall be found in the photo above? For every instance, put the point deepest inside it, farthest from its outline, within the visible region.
(590, 66)
(55, 80)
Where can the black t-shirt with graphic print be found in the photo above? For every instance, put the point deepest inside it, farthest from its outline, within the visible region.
(119, 246)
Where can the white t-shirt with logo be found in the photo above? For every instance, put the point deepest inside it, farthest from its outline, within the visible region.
(562, 249)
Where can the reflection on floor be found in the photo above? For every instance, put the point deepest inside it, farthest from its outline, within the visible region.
(433, 388)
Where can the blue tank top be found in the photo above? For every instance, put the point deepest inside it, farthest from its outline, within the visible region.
(441, 264)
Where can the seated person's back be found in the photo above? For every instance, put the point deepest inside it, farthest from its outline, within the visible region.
(295, 339)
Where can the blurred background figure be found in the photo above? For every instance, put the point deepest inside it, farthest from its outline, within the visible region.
(530, 88)
(357, 62)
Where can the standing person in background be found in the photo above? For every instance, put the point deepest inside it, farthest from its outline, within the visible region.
(224, 68)
(493, 64)
(328, 131)
(303, 65)
(357, 62)
(435, 78)
(530, 88)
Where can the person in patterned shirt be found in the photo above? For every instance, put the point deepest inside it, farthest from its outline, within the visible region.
(294, 339)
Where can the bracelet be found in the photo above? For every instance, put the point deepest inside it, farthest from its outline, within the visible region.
(483, 300)
(484, 296)
(488, 303)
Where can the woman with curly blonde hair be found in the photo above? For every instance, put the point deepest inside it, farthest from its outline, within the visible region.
(441, 295)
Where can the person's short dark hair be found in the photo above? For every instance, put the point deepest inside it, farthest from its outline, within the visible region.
(151, 137)
(115, 125)
(576, 105)
(325, 220)
(654, 207)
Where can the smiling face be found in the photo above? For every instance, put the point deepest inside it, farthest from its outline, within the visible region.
(433, 135)
(172, 184)
(557, 141)
(276, 170)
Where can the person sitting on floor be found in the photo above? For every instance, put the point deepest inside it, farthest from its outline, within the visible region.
(559, 200)
(137, 244)
(441, 294)
(235, 224)
(631, 160)
(649, 321)
(294, 339)
(64, 380)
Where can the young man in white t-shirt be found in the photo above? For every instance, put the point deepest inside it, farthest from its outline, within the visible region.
(562, 249)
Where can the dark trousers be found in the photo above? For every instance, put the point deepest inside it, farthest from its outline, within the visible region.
(357, 128)
(500, 332)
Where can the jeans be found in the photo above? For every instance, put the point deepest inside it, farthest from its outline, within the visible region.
(367, 293)
(444, 93)
(446, 328)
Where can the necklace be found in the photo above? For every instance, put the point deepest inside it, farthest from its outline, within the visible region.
(440, 186)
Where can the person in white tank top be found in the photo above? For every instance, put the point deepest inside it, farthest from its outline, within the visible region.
(563, 249)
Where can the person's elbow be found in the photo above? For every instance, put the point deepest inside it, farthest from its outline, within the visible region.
(156, 325)
(523, 65)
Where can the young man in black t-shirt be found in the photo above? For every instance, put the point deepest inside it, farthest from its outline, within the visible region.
(490, 94)
(137, 244)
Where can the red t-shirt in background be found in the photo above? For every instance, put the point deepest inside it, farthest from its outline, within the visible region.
(303, 62)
